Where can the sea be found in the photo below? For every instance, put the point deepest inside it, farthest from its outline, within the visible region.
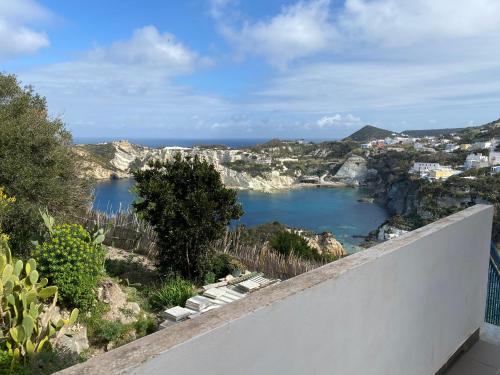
(337, 210)
(184, 142)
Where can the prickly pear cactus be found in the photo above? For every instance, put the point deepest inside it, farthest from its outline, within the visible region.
(27, 307)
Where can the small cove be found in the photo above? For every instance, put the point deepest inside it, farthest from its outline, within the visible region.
(317, 209)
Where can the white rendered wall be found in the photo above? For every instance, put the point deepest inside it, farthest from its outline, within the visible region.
(402, 307)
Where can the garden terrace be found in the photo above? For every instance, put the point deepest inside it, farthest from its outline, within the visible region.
(406, 306)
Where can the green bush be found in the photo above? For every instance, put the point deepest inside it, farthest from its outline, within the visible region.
(286, 243)
(186, 202)
(73, 260)
(37, 164)
(223, 264)
(173, 292)
(108, 331)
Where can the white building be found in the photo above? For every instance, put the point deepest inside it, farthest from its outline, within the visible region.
(366, 146)
(425, 167)
(495, 169)
(481, 145)
(476, 161)
(418, 146)
(450, 147)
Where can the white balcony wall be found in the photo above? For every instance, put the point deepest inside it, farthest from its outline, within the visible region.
(402, 307)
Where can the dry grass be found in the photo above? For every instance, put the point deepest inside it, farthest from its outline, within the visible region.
(124, 230)
(262, 258)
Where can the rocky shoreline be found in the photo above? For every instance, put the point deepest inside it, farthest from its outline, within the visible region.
(117, 160)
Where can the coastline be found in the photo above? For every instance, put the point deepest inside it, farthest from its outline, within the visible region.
(296, 185)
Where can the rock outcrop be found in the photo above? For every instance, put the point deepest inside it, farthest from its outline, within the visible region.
(126, 156)
(119, 308)
(326, 243)
(354, 171)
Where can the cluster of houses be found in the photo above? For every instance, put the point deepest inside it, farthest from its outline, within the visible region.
(474, 160)
(389, 141)
(433, 171)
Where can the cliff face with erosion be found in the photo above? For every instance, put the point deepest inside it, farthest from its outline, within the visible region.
(117, 159)
(353, 171)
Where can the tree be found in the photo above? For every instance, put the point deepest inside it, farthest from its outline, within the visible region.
(189, 207)
(37, 164)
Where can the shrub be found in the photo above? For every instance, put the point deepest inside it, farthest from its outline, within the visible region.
(189, 207)
(224, 264)
(108, 331)
(73, 260)
(27, 325)
(37, 163)
(173, 292)
(286, 243)
(144, 326)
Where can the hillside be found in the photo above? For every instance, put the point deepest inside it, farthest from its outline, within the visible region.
(368, 133)
(431, 132)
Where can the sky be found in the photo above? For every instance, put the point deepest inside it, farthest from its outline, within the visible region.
(315, 69)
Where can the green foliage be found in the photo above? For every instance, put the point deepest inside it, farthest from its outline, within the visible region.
(73, 260)
(37, 164)
(369, 133)
(392, 166)
(466, 192)
(48, 361)
(26, 325)
(288, 242)
(6, 363)
(101, 332)
(173, 292)
(408, 222)
(260, 234)
(252, 168)
(189, 207)
(144, 326)
(223, 264)
(108, 331)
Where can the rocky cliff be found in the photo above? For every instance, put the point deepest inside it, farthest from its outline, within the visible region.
(117, 159)
(353, 171)
(326, 243)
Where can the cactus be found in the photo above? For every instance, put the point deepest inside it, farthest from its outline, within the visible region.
(27, 308)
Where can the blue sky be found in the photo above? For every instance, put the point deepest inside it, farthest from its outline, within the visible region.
(256, 68)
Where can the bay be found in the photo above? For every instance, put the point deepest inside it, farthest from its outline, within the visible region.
(317, 209)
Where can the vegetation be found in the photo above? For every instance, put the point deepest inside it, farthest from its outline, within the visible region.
(189, 207)
(26, 326)
(175, 291)
(254, 253)
(223, 264)
(252, 168)
(73, 259)
(290, 242)
(37, 164)
(431, 132)
(103, 332)
(369, 133)
(484, 187)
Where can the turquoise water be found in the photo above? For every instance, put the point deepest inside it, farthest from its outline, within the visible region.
(318, 209)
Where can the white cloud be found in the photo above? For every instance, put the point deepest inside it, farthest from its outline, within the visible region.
(338, 120)
(150, 47)
(300, 30)
(394, 23)
(128, 86)
(17, 35)
(390, 86)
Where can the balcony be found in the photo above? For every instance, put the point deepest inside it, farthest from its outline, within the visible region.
(407, 306)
